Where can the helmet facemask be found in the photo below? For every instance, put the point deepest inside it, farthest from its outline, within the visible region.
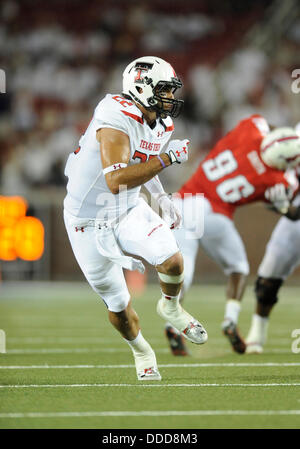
(163, 105)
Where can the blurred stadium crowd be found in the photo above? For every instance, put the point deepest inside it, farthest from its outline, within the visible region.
(61, 57)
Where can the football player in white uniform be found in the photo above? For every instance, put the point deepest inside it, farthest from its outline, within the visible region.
(120, 151)
(281, 258)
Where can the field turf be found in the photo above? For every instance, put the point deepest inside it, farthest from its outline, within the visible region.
(66, 367)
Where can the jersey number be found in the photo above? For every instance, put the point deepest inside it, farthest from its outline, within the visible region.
(122, 101)
(233, 189)
(142, 156)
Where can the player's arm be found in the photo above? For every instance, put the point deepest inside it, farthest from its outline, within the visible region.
(115, 150)
(155, 188)
(280, 196)
(282, 193)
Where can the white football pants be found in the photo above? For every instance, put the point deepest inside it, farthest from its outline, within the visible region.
(282, 254)
(221, 240)
(141, 232)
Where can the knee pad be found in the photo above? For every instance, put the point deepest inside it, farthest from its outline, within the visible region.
(266, 290)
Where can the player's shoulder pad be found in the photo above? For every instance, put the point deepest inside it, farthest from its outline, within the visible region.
(116, 108)
(167, 124)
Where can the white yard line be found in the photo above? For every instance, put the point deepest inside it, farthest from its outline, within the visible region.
(62, 339)
(149, 413)
(107, 350)
(155, 385)
(53, 339)
(72, 350)
(168, 365)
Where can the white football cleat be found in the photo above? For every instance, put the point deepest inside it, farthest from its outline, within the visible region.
(149, 374)
(195, 332)
(254, 348)
(146, 366)
(189, 327)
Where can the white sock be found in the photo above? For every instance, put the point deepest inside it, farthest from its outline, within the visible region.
(258, 330)
(174, 313)
(139, 345)
(144, 355)
(170, 302)
(232, 310)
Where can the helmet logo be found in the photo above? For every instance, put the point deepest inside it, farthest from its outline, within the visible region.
(139, 78)
(139, 68)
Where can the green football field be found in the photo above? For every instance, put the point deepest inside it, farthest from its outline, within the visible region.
(66, 367)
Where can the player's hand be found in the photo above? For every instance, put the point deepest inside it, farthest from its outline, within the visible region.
(177, 151)
(279, 195)
(169, 212)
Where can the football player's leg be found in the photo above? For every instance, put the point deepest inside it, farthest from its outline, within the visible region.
(145, 234)
(193, 210)
(189, 249)
(171, 277)
(127, 323)
(281, 258)
(266, 290)
(107, 280)
(222, 242)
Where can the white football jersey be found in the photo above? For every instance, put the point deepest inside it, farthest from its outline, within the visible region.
(88, 195)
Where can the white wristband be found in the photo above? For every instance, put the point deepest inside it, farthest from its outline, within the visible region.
(114, 167)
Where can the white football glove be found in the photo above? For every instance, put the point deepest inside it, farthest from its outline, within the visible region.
(169, 212)
(177, 151)
(279, 195)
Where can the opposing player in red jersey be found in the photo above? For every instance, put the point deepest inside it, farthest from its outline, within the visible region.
(250, 163)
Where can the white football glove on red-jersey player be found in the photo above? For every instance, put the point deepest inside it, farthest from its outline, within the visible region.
(279, 195)
(177, 150)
